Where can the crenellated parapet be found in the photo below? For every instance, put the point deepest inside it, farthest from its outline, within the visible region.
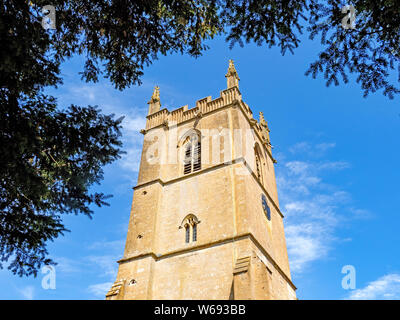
(203, 107)
(158, 117)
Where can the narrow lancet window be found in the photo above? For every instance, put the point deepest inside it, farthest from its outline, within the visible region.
(194, 232)
(187, 233)
(190, 225)
(259, 163)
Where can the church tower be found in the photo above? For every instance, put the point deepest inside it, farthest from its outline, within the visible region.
(205, 221)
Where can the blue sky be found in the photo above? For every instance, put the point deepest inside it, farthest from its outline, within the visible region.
(337, 172)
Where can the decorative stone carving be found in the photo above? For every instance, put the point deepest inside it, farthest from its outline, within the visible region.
(154, 102)
(198, 116)
(232, 78)
(253, 121)
(264, 129)
(190, 219)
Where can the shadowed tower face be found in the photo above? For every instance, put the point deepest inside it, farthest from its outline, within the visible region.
(205, 221)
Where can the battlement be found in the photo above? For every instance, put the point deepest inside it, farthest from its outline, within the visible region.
(203, 106)
(163, 117)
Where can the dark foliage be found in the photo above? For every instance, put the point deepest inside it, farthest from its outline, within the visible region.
(48, 157)
(370, 50)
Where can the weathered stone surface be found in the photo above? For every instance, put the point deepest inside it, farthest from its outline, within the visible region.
(238, 253)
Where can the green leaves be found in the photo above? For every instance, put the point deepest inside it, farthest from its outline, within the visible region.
(49, 160)
(371, 50)
(264, 22)
(49, 157)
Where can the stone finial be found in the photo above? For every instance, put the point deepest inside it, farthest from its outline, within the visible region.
(263, 122)
(156, 93)
(232, 78)
(155, 103)
(265, 129)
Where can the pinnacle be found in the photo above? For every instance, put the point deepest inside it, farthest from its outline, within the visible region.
(156, 94)
(232, 70)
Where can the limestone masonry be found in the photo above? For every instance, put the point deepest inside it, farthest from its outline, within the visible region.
(205, 221)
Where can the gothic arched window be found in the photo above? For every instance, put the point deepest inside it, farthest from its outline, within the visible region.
(190, 225)
(187, 233)
(192, 154)
(194, 229)
(258, 164)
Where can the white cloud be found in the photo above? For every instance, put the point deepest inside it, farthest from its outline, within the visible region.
(67, 265)
(298, 167)
(306, 148)
(325, 146)
(103, 265)
(361, 213)
(86, 92)
(27, 292)
(134, 118)
(115, 245)
(335, 165)
(313, 208)
(132, 140)
(100, 289)
(99, 267)
(305, 244)
(300, 147)
(131, 160)
(132, 125)
(303, 168)
(106, 263)
(310, 226)
(386, 287)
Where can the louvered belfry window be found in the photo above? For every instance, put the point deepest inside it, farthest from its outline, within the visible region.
(192, 157)
(197, 156)
(187, 162)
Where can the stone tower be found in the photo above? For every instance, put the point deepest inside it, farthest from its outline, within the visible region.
(205, 221)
